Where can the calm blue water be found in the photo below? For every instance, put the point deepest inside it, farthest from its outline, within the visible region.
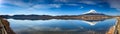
(81, 26)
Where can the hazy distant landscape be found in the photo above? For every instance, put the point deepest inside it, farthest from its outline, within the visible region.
(43, 17)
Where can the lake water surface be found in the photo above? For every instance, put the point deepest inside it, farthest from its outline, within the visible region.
(55, 26)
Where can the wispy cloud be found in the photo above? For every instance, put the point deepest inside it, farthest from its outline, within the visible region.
(46, 6)
(18, 3)
(114, 4)
(61, 1)
(88, 2)
(0, 1)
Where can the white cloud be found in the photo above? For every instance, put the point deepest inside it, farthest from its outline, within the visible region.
(87, 2)
(56, 5)
(73, 4)
(20, 4)
(45, 6)
(39, 6)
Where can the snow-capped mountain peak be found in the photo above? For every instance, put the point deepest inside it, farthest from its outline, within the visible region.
(91, 11)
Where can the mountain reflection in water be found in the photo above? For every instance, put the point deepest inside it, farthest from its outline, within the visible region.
(55, 26)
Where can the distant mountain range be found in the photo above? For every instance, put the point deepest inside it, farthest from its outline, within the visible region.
(91, 13)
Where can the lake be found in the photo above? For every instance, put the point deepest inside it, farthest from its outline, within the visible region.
(58, 26)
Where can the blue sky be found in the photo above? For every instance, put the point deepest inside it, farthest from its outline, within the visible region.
(58, 7)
